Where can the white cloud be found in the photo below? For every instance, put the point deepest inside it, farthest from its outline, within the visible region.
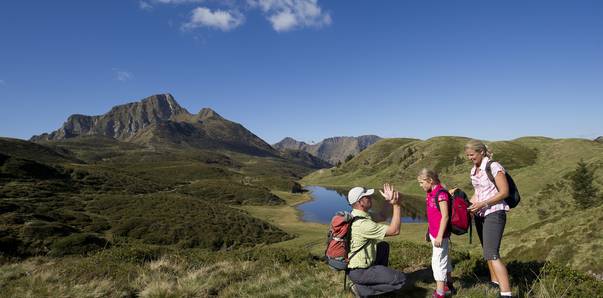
(283, 15)
(122, 75)
(221, 19)
(144, 5)
(287, 15)
(283, 21)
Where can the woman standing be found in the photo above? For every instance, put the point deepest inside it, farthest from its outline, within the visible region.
(489, 210)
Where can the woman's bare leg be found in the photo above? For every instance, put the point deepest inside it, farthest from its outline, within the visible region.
(502, 275)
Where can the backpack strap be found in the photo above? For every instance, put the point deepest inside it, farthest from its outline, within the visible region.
(489, 173)
(347, 270)
(358, 250)
(350, 237)
(435, 199)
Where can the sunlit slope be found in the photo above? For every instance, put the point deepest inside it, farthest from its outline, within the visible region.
(547, 225)
(394, 160)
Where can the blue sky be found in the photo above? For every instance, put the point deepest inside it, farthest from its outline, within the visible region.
(312, 69)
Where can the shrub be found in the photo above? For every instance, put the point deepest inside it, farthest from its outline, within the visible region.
(584, 192)
(42, 229)
(556, 280)
(80, 244)
(185, 221)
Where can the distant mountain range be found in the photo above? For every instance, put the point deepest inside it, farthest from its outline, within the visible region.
(332, 150)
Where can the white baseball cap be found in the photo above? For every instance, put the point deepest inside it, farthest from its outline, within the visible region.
(357, 193)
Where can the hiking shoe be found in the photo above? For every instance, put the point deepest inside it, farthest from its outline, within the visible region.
(449, 289)
(436, 295)
(354, 291)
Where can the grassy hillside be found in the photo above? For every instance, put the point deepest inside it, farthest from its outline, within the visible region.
(28, 150)
(51, 205)
(394, 160)
(290, 268)
(547, 224)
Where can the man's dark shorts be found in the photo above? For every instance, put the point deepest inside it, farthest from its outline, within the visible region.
(377, 279)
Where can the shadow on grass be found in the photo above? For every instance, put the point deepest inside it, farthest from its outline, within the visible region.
(411, 289)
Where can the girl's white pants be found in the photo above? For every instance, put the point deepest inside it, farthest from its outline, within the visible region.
(440, 264)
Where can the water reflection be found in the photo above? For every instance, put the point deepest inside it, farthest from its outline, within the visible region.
(326, 202)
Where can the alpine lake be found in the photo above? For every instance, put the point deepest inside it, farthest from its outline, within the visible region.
(327, 201)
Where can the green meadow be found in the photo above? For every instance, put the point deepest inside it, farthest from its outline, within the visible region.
(93, 217)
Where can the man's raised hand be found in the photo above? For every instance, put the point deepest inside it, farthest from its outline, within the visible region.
(390, 194)
(387, 192)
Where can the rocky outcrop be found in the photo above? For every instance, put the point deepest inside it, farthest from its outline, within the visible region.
(159, 121)
(121, 122)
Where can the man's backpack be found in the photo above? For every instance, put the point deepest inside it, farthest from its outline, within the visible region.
(513, 198)
(459, 221)
(338, 242)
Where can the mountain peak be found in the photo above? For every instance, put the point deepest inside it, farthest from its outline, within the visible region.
(288, 139)
(162, 106)
(207, 113)
(289, 143)
(122, 121)
(163, 99)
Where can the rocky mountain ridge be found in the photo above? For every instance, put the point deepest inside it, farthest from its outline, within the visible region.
(159, 121)
(332, 150)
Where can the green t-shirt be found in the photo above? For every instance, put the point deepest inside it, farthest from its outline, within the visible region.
(364, 230)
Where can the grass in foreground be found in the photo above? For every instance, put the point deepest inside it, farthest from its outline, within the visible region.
(139, 270)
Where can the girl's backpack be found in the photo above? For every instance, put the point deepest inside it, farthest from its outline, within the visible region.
(513, 199)
(459, 217)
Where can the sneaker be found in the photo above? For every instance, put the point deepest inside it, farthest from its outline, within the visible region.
(436, 295)
(449, 289)
(494, 285)
(354, 291)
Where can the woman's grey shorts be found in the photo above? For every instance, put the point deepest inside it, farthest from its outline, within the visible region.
(490, 230)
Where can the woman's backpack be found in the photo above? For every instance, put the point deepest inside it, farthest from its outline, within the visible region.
(513, 199)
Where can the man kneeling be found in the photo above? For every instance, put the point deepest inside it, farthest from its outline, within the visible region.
(368, 267)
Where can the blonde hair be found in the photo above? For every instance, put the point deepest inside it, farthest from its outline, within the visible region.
(426, 173)
(478, 146)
